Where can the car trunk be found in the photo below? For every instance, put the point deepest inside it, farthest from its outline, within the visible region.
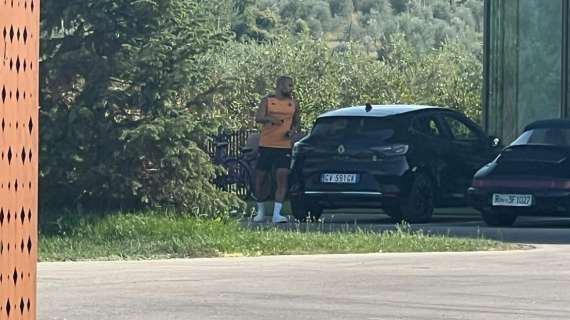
(357, 138)
(361, 147)
(545, 161)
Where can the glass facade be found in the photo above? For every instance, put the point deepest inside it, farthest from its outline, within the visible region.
(526, 64)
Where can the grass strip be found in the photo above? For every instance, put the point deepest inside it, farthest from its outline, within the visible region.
(163, 235)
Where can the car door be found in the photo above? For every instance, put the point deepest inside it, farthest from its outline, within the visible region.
(433, 143)
(469, 150)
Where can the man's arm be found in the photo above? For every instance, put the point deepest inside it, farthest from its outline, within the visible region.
(261, 115)
(296, 125)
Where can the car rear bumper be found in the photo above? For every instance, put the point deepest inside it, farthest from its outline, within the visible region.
(545, 202)
(379, 184)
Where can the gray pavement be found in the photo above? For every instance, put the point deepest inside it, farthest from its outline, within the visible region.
(530, 284)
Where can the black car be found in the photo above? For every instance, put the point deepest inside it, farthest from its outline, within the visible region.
(403, 159)
(530, 177)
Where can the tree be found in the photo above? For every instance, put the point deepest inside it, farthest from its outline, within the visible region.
(330, 78)
(401, 6)
(341, 8)
(427, 24)
(251, 23)
(125, 111)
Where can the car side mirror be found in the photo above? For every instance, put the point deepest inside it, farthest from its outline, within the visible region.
(494, 141)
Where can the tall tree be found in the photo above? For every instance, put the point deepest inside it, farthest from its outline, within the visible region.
(342, 8)
(124, 102)
(251, 23)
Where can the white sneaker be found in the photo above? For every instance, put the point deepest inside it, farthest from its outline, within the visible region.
(280, 219)
(259, 218)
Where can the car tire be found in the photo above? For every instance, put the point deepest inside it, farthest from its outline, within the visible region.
(394, 214)
(303, 210)
(418, 206)
(498, 218)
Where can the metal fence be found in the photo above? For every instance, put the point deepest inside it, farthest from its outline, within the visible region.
(236, 140)
(236, 181)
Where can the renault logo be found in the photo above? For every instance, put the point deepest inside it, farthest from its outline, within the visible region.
(341, 149)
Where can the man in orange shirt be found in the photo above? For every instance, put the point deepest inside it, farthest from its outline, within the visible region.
(279, 115)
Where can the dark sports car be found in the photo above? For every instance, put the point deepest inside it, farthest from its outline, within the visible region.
(531, 177)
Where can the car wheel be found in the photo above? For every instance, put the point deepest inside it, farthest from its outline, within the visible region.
(303, 210)
(498, 218)
(417, 207)
(394, 214)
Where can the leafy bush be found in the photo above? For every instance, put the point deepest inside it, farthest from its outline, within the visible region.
(330, 78)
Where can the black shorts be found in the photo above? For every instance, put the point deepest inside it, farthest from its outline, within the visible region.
(269, 158)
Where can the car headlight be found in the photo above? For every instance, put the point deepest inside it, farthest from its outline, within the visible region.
(295, 149)
(299, 149)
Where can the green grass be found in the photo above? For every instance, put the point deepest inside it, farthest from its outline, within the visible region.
(154, 235)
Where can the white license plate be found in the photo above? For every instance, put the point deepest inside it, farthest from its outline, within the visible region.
(512, 200)
(341, 178)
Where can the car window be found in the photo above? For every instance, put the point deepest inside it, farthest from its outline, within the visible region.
(356, 127)
(460, 130)
(427, 126)
(548, 136)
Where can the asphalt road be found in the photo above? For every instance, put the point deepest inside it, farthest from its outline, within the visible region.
(529, 284)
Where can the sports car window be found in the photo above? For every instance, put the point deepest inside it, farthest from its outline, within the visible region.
(548, 136)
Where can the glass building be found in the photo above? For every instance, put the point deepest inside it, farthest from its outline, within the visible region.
(526, 64)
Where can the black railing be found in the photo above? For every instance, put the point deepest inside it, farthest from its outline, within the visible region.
(235, 140)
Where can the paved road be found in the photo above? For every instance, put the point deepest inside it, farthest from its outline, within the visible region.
(532, 284)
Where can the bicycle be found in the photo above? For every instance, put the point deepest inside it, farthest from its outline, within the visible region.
(240, 175)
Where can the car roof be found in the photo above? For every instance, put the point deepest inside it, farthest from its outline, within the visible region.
(378, 110)
(549, 123)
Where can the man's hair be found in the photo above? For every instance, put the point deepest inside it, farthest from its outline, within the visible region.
(283, 78)
(280, 80)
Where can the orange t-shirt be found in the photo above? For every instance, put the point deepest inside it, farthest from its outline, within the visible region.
(274, 135)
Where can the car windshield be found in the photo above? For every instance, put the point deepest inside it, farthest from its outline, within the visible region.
(380, 129)
(545, 136)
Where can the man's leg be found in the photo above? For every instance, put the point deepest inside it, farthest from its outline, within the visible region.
(282, 176)
(260, 178)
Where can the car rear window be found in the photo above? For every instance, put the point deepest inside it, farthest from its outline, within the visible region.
(356, 127)
(545, 136)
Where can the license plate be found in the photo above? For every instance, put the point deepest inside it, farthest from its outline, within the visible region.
(340, 178)
(512, 200)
